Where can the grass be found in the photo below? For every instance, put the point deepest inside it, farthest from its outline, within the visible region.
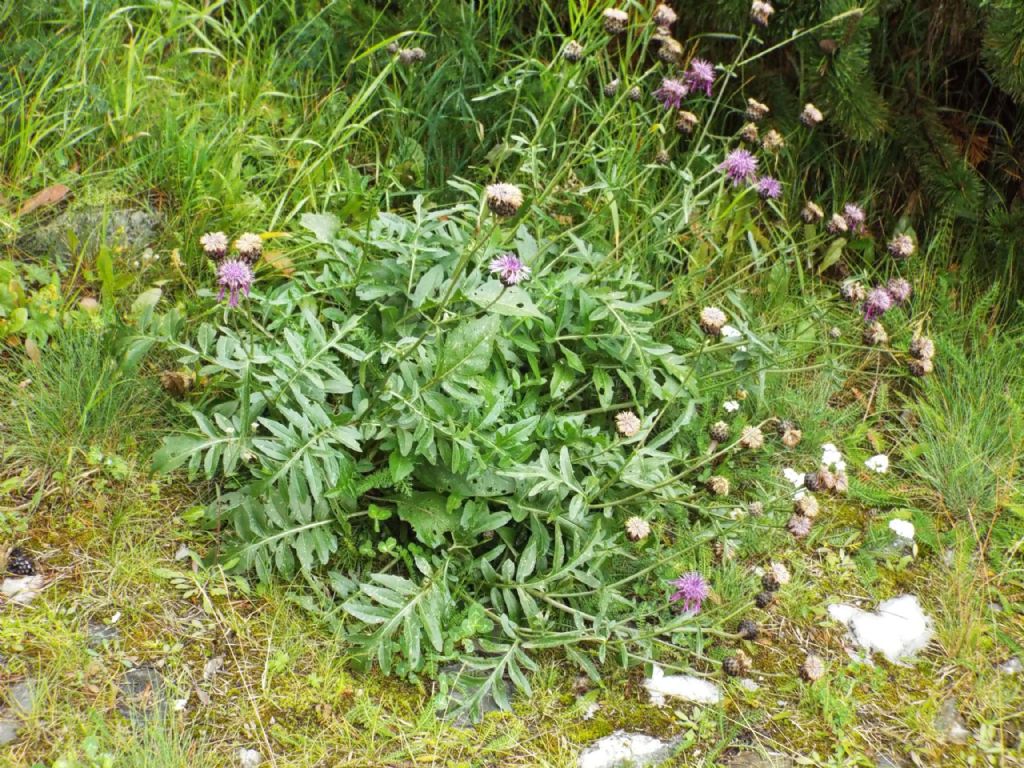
(233, 116)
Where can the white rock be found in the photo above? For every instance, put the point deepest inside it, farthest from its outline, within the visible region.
(749, 685)
(249, 758)
(621, 748)
(659, 686)
(22, 590)
(878, 463)
(902, 528)
(1012, 666)
(897, 630)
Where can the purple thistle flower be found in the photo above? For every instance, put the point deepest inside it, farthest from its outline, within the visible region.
(692, 590)
(671, 93)
(740, 166)
(899, 289)
(700, 76)
(234, 277)
(510, 270)
(769, 188)
(877, 303)
(855, 217)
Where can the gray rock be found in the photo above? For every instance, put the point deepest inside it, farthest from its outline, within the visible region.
(760, 760)
(98, 633)
(885, 761)
(622, 749)
(141, 694)
(21, 697)
(22, 590)
(9, 728)
(129, 228)
(950, 724)
(1012, 666)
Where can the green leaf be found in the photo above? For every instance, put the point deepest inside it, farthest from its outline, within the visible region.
(512, 301)
(427, 513)
(323, 225)
(467, 350)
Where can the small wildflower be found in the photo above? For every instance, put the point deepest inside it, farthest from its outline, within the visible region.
(812, 212)
(234, 277)
(572, 51)
(756, 110)
(611, 88)
(773, 141)
(749, 133)
(635, 94)
(899, 289)
(902, 246)
(878, 302)
(718, 485)
(769, 188)
(510, 269)
(249, 247)
(664, 16)
(812, 669)
(807, 506)
(504, 199)
(411, 56)
(637, 529)
(761, 12)
(672, 93)
(686, 122)
(730, 406)
(615, 21)
(855, 217)
(215, 245)
(837, 225)
(921, 367)
(799, 526)
(719, 432)
(670, 51)
(875, 335)
(691, 590)
(740, 166)
(711, 320)
(700, 76)
(811, 116)
(853, 292)
(628, 423)
(922, 348)
(752, 438)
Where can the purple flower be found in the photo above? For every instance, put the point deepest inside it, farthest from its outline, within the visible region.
(855, 217)
(899, 289)
(510, 270)
(740, 166)
(877, 303)
(234, 276)
(692, 590)
(769, 188)
(672, 93)
(700, 76)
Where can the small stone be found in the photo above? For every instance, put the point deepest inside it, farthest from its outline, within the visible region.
(950, 724)
(1012, 666)
(141, 695)
(622, 749)
(249, 758)
(22, 590)
(9, 728)
(88, 229)
(21, 697)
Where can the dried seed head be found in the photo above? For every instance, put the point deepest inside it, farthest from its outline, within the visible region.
(799, 526)
(628, 423)
(635, 94)
(664, 16)
(687, 122)
(922, 348)
(719, 432)
(773, 142)
(409, 56)
(921, 367)
(637, 529)
(811, 482)
(249, 246)
(755, 509)
(812, 212)
(751, 438)
(764, 599)
(215, 245)
(811, 116)
(615, 21)
(611, 88)
(834, 332)
(749, 133)
(670, 51)
(747, 629)
(826, 480)
(662, 157)
(842, 481)
(813, 668)
(791, 437)
(781, 573)
(769, 582)
(737, 665)
(718, 485)
(875, 335)
(837, 225)
(177, 383)
(899, 289)
(718, 550)
(572, 51)
(761, 12)
(902, 246)
(807, 506)
(853, 292)
(504, 199)
(711, 320)
(756, 110)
